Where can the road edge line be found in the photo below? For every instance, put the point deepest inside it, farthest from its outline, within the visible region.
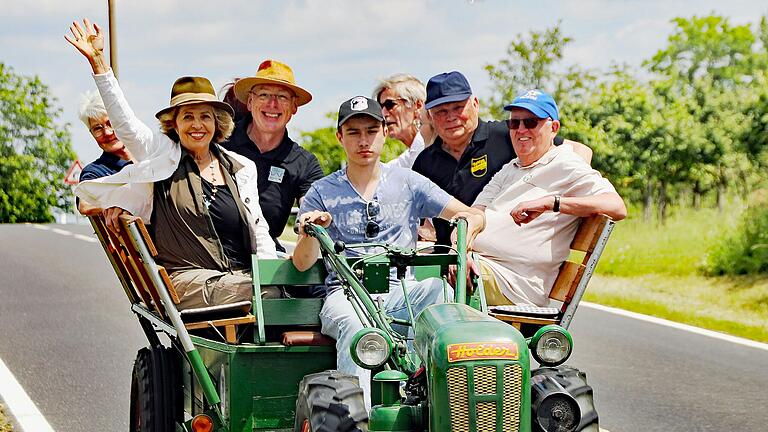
(20, 406)
(677, 325)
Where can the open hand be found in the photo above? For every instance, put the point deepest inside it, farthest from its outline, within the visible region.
(88, 39)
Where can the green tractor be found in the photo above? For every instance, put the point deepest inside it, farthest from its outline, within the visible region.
(463, 370)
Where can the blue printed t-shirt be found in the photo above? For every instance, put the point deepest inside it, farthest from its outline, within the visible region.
(403, 196)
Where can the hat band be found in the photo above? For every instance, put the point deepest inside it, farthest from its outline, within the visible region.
(187, 97)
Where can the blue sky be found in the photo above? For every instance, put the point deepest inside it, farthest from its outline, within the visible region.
(337, 48)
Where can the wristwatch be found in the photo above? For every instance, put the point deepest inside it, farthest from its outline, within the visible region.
(556, 206)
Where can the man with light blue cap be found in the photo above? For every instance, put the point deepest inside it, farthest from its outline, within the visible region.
(533, 206)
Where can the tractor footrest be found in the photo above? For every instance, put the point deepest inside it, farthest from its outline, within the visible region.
(526, 310)
(213, 313)
(306, 338)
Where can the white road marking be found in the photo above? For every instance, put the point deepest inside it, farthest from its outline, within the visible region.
(86, 238)
(20, 405)
(66, 233)
(685, 327)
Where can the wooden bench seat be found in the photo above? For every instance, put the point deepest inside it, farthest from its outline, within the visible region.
(571, 282)
(130, 251)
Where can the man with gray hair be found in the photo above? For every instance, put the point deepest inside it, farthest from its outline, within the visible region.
(401, 97)
(114, 157)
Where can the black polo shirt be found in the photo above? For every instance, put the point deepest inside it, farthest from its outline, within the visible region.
(106, 164)
(285, 174)
(489, 149)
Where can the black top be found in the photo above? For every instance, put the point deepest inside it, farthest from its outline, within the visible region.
(285, 174)
(106, 164)
(488, 151)
(227, 223)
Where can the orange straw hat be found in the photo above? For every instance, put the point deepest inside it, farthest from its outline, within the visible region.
(192, 90)
(272, 72)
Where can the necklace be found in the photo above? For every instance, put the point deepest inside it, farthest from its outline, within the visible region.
(212, 167)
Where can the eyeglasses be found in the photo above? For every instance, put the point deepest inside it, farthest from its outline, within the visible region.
(372, 209)
(389, 104)
(529, 123)
(264, 97)
(99, 130)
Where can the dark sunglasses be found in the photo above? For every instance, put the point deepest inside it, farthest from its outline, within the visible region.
(372, 209)
(529, 123)
(391, 103)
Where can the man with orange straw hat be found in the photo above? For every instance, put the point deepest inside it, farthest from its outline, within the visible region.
(285, 169)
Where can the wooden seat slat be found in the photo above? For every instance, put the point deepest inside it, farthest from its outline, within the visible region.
(588, 233)
(566, 282)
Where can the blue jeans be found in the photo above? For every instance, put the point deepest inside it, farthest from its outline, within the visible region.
(340, 321)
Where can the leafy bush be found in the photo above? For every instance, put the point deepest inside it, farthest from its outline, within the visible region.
(745, 249)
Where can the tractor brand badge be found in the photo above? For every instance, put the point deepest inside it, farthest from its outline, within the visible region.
(479, 166)
(482, 351)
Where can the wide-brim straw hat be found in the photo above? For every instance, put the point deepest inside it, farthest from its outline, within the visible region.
(194, 90)
(272, 72)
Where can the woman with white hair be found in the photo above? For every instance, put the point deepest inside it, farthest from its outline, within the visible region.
(202, 200)
(114, 156)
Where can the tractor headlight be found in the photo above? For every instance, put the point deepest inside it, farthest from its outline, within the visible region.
(371, 348)
(551, 345)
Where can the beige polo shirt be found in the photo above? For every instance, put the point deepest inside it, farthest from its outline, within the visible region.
(526, 259)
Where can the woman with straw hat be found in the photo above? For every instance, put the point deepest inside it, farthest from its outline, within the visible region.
(202, 200)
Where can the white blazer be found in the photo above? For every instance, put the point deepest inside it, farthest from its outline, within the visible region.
(157, 157)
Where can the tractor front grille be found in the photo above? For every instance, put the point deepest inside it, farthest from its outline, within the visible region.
(464, 405)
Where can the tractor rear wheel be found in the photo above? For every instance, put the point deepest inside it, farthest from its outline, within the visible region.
(155, 390)
(330, 401)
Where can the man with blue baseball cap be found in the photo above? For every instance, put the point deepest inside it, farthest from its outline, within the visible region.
(467, 151)
(533, 206)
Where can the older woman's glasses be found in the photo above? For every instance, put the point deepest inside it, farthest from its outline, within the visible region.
(372, 209)
(529, 123)
(100, 130)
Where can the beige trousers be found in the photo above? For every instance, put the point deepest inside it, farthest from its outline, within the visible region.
(493, 294)
(202, 287)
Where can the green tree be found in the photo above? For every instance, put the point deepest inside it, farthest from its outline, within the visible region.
(35, 152)
(322, 142)
(706, 46)
(529, 64)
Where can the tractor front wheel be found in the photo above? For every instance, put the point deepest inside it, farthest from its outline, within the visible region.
(155, 391)
(330, 401)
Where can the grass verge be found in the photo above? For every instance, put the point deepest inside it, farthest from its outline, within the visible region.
(5, 422)
(679, 247)
(736, 306)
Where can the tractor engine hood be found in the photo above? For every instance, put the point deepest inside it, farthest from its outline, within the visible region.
(478, 369)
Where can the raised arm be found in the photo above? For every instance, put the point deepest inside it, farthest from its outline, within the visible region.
(137, 137)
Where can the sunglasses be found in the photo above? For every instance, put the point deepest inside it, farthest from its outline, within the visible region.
(529, 123)
(372, 209)
(389, 104)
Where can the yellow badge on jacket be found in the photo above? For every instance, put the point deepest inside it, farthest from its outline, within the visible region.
(479, 166)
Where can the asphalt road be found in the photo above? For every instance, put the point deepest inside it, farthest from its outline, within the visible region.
(67, 334)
